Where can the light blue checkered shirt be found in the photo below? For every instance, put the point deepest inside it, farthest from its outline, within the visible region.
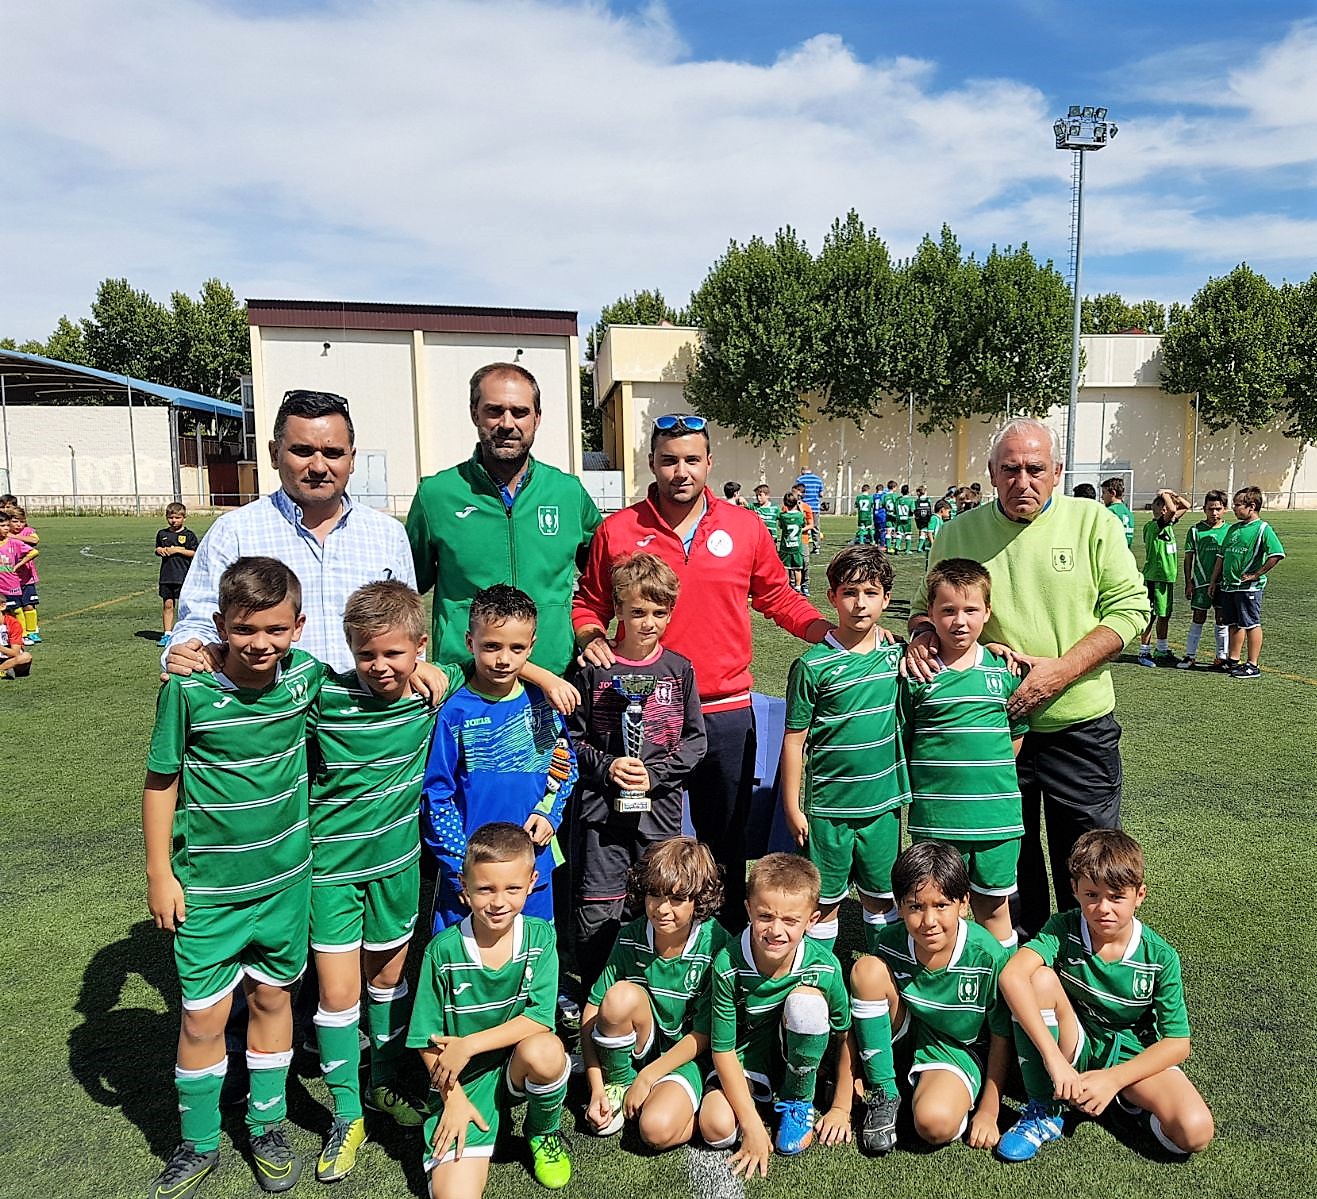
(364, 546)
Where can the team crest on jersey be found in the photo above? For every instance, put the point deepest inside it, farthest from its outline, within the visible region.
(297, 688)
(665, 691)
(967, 988)
(1063, 558)
(995, 684)
(693, 975)
(1145, 981)
(809, 978)
(548, 519)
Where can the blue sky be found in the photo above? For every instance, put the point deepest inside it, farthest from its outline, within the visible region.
(556, 153)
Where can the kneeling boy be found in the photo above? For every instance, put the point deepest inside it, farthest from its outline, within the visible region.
(483, 1022)
(777, 997)
(228, 863)
(1100, 1010)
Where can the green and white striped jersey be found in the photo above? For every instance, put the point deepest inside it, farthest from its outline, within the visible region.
(1140, 992)
(962, 766)
(678, 987)
(854, 709)
(241, 824)
(960, 1001)
(367, 764)
(1204, 542)
(458, 995)
(746, 1006)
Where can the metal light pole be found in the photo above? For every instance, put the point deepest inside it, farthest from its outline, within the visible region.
(1081, 129)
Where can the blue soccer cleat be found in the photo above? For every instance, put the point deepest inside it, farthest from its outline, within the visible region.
(795, 1132)
(1035, 1127)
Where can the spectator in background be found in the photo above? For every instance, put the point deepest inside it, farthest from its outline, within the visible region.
(1085, 491)
(812, 484)
(732, 494)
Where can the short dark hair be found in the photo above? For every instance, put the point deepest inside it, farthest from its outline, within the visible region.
(679, 868)
(1115, 485)
(175, 509)
(861, 564)
(503, 370)
(499, 603)
(960, 574)
(498, 842)
(656, 435)
(943, 505)
(791, 500)
(1084, 491)
(1252, 496)
(1216, 494)
(312, 405)
(1107, 856)
(254, 584)
(933, 862)
(730, 490)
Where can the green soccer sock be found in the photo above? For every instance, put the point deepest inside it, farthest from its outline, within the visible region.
(805, 1024)
(266, 1101)
(340, 1058)
(544, 1102)
(615, 1058)
(199, 1104)
(872, 1022)
(874, 923)
(825, 933)
(387, 1011)
(1037, 1082)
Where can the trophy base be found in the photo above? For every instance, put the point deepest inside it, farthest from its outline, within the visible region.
(631, 802)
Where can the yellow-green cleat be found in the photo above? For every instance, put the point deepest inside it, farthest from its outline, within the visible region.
(551, 1165)
(405, 1112)
(339, 1155)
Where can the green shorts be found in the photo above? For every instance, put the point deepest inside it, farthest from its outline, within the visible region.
(1102, 1048)
(905, 527)
(793, 559)
(926, 1050)
(991, 864)
(861, 850)
(491, 1093)
(1161, 596)
(377, 914)
(763, 1068)
(265, 939)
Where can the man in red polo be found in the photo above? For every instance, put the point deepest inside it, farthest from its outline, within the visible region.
(721, 554)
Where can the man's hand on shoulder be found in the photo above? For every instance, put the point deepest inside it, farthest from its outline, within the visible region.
(596, 652)
(193, 657)
(921, 661)
(1047, 678)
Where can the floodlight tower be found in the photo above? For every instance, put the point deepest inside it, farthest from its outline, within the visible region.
(1080, 130)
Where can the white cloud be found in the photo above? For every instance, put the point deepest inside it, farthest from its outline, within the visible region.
(554, 154)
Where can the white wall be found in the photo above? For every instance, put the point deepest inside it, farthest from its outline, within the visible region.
(40, 436)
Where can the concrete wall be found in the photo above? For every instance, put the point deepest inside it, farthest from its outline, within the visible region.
(408, 392)
(39, 437)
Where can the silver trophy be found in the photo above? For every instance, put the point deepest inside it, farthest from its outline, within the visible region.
(635, 689)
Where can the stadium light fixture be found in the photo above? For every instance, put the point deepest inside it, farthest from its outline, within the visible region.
(1083, 128)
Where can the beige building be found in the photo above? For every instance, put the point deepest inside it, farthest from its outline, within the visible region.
(404, 369)
(1124, 422)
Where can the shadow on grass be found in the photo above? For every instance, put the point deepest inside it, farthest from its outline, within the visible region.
(123, 1057)
(152, 635)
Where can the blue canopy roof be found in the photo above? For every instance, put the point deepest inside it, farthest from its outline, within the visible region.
(30, 379)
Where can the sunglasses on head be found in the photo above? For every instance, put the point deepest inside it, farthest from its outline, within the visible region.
(680, 422)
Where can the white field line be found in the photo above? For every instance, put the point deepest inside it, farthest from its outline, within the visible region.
(710, 1175)
(87, 552)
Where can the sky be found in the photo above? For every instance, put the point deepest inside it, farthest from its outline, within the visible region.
(562, 153)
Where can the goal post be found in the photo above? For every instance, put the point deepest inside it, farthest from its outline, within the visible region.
(1094, 475)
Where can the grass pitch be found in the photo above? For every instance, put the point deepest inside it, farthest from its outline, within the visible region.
(1219, 788)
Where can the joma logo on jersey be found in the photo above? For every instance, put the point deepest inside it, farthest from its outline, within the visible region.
(548, 519)
(1144, 983)
(1063, 559)
(967, 988)
(477, 720)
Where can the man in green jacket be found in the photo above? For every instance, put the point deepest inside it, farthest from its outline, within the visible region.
(501, 517)
(1066, 598)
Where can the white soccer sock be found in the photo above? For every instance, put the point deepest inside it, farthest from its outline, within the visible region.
(1162, 647)
(806, 1012)
(1010, 942)
(825, 930)
(1162, 1139)
(1222, 640)
(1192, 640)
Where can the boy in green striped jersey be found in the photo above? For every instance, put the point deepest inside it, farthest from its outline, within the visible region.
(963, 786)
(1249, 552)
(650, 1006)
(370, 734)
(1099, 1010)
(846, 711)
(483, 1021)
(777, 998)
(228, 863)
(1202, 547)
(932, 979)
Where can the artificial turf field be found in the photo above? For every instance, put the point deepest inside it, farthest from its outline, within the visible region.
(1220, 788)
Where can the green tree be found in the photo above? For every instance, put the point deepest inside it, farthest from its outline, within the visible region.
(209, 342)
(1230, 347)
(855, 289)
(1300, 305)
(128, 332)
(65, 344)
(1019, 328)
(759, 354)
(1109, 313)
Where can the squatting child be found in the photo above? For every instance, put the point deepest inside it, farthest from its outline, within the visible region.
(175, 546)
(647, 1020)
(500, 753)
(1100, 1012)
(843, 767)
(963, 785)
(778, 997)
(483, 1022)
(228, 863)
(1160, 574)
(1202, 547)
(609, 836)
(930, 989)
(1250, 551)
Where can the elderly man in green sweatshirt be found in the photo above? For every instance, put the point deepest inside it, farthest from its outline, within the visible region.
(1067, 596)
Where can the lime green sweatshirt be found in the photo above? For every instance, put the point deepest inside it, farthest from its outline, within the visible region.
(1054, 580)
